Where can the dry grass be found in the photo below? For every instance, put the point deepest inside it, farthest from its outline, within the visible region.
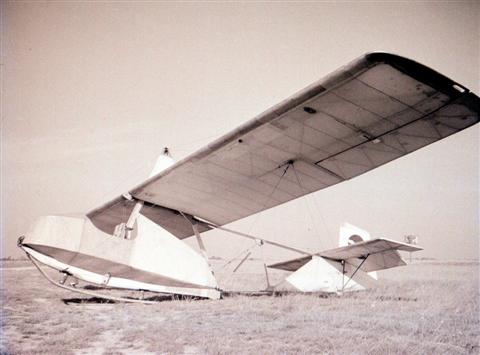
(424, 308)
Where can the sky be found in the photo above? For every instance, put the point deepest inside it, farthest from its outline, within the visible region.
(92, 92)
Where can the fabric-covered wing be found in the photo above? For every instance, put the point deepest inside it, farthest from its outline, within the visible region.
(372, 111)
(118, 211)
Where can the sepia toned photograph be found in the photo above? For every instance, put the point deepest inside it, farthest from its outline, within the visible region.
(240, 177)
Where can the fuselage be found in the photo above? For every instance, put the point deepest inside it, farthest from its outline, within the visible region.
(153, 260)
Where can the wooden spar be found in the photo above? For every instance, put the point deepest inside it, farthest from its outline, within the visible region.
(133, 217)
(203, 250)
(201, 245)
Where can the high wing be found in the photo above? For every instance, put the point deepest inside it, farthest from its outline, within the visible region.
(371, 255)
(378, 108)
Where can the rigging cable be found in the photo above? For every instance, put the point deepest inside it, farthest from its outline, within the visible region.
(269, 197)
(309, 211)
(238, 255)
(257, 217)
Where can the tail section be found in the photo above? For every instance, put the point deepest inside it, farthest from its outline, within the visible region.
(350, 234)
(352, 266)
(325, 275)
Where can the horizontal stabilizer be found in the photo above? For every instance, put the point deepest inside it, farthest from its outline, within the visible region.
(376, 254)
(369, 247)
(291, 265)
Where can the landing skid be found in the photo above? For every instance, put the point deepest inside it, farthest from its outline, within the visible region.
(62, 284)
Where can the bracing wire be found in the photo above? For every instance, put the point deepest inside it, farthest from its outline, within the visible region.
(257, 217)
(238, 256)
(229, 276)
(269, 197)
(322, 217)
(309, 211)
(267, 200)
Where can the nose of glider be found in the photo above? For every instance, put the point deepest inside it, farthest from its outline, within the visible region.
(155, 257)
(49, 233)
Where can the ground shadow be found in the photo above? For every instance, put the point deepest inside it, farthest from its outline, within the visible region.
(91, 300)
(100, 300)
(226, 294)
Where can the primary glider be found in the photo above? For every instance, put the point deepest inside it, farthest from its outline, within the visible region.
(377, 108)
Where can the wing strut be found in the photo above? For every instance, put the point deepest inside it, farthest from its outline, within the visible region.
(267, 278)
(351, 277)
(124, 230)
(194, 224)
(131, 220)
(248, 236)
(260, 242)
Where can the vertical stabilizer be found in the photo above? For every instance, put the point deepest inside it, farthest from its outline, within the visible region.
(350, 234)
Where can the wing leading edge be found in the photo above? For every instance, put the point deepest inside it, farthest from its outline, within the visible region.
(376, 109)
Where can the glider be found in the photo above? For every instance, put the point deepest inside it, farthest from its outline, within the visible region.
(376, 109)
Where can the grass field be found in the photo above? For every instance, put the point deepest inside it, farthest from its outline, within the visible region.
(422, 308)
